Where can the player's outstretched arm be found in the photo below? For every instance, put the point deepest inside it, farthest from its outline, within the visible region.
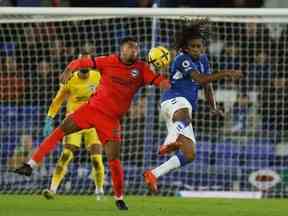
(209, 95)
(54, 109)
(204, 79)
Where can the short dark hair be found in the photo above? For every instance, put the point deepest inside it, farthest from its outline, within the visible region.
(127, 39)
(191, 29)
(84, 70)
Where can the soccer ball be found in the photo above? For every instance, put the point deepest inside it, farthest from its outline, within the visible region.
(159, 57)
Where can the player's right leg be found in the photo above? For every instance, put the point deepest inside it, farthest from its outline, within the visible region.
(63, 162)
(94, 146)
(112, 150)
(73, 123)
(180, 133)
(177, 122)
(109, 132)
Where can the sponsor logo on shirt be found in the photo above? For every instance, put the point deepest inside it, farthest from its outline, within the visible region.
(178, 75)
(201, 68)
(185, 63)
(92, 88)
(135, 72)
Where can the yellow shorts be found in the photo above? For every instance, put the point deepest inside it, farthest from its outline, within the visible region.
(87, 136)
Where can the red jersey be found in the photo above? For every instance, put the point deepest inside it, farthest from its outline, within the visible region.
(119, 82)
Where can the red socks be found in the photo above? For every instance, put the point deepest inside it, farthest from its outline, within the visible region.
(117, 175)
(47, 145)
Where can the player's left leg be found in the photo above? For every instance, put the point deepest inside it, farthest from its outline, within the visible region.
(112, 150)
(61, 168)
(73, 123)
(67, 127)
(98, 167)
(94, 147)
(178, 122)
(109, 131)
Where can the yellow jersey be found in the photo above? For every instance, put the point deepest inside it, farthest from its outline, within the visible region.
(75, 92)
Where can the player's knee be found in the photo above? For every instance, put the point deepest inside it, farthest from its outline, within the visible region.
(190, 156)
(65, 157)
(185, 158)
(96, 164)
(97, 161)
(95, 149)
(58, 169)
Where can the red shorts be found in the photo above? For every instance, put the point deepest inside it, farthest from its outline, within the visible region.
(108, 128)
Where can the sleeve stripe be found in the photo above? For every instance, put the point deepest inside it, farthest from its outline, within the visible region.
(94, 62)
(153, 80)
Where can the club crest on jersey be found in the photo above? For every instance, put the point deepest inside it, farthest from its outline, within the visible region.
(135, 72)
(92, 88)
(201, 67)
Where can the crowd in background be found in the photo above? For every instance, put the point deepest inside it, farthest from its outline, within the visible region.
(145, 3)
(33, 56)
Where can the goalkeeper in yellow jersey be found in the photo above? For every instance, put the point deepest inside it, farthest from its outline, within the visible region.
(76, 92)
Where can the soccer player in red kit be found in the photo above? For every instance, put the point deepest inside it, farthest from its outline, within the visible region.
(122, 76)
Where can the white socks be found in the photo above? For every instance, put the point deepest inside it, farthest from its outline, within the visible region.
(53, 188)
(32, 163)
(166, 167)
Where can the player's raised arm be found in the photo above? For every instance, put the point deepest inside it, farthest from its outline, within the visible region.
(204, 79)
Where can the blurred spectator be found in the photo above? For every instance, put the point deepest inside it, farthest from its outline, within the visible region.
(274, 105)
(243, 3)
(259, 73)
(228, 60)
(58, 54)
(144, 3)
(12, 82)
(111, 3)
(212, 3)
(280, 52)
(28, 3)
(205, 122)
(44, 82)
(7, 48)
(240, 112)
(133, 131)
(22, 152)
(276, 4)
(254, 38)
(8, 3)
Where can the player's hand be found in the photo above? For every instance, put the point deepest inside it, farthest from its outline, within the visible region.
(165, 84)
(65, 76)
(218, 112)
(48, 126)
(234, 74)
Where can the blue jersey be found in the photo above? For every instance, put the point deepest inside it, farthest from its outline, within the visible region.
(182, 84)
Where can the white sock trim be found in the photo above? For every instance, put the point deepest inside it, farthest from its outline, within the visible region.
(171, 164)
(32, 163)
(53, 189)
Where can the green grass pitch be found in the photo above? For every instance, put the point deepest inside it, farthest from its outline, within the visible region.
(35, 205)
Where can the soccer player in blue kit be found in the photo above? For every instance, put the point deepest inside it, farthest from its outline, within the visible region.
(190, 71)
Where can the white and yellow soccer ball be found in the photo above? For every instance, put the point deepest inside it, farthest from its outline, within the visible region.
(159, 57)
